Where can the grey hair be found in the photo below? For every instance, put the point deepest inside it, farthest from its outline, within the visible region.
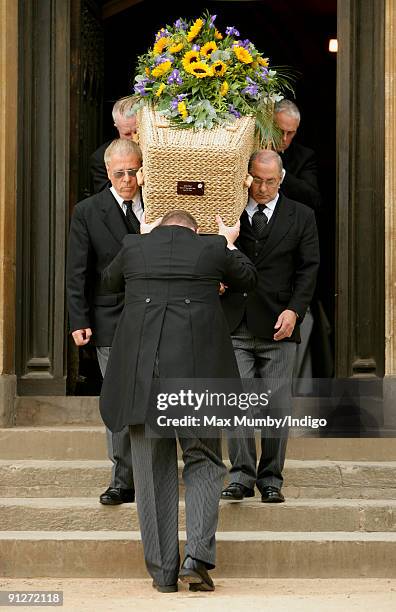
(266, 156)
(288, 107)
(180, 217)
(123, 107)
(122, 147)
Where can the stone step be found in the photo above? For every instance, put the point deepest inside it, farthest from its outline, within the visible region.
(88, 442)
(303, 478)
(81, 514)
(261, 554)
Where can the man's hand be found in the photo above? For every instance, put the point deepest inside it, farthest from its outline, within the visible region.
(82, 336)
(285, 324)
(145, 228)
(222, 288)
(230, 233)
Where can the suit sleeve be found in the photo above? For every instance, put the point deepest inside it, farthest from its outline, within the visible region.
(112, 279)
(97, 167)
(78, 271)
(307, 266)
(240, 273)
(304, 188)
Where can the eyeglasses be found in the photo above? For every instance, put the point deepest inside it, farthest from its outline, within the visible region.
(120, 173)
(267, 182)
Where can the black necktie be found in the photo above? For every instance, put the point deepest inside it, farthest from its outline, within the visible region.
(259, 220)
(131, 219)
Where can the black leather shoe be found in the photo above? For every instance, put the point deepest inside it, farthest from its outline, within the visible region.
(271, 495)
(194, 573)
(236, 491)
(165, 588)
(113, 496)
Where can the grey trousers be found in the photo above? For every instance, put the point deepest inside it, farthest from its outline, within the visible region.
(273, 361)
(118, 444)
(157, 498)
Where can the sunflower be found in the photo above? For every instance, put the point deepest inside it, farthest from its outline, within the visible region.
(263, 61)
(208, 49)
(219, 68)
(243, 55)
(161, 69)
(195, 29)
(160, 45)
(181, 107)
(218, 35)
(190, 57)
(176, 48)
(147, 71)
(200, 70)
(160, 90)
(224, 88)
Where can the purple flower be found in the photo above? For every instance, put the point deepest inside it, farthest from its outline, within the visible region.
(175, 78)
(180, 24)
(246, 44)
(162, 33)
(233, 111)
(160, 59)
(176, 101)
(263, 73)
(231, 31)
(196, 47)
(212, 20)
(140, 87)
(252, 88)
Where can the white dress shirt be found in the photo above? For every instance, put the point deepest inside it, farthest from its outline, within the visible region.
(252, 207)
(136, 203)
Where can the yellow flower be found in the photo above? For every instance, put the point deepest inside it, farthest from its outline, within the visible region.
(219, 68)
(181, 107)
(147, 71)
(218, 35)
(200, 70)
(243, 55)
(176, 48)
(208, 49)
(195, 30)
(162, 69)
(263, 61)
(160, 45)
(160, 90)
(224, 88)
(189, 57)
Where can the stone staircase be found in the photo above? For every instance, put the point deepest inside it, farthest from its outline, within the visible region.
(339, 520)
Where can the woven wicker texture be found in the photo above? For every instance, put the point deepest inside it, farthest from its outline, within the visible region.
(217, 157)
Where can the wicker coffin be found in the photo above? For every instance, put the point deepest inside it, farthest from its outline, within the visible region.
(200, 171)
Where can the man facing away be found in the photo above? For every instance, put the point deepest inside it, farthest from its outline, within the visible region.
(279, 235)
(125, 123)
(99, 224)
(172, 307)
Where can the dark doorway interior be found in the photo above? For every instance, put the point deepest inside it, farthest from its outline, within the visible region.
(290, 33)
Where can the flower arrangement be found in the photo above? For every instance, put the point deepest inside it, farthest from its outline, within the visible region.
(199, 77)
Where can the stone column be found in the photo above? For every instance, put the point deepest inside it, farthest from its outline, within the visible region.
(8, 131)
(390, 215)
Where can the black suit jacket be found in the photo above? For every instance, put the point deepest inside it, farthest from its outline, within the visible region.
(301, 179)
(287, 267)
(96, 233)
(97, 168)
(173, 311)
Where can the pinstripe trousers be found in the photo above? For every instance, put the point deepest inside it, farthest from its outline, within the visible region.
(273, 361)
(118, 444)
(157, 498)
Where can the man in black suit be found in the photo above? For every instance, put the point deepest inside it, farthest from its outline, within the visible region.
(99, 224)
(300, 180)
(172, 307)
(125, 123)
(280, 237)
